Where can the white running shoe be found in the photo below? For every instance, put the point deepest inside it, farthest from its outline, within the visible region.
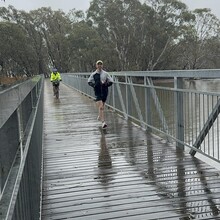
(104, 125)
(98, 118)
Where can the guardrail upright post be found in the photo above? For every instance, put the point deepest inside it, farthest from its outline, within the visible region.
(113, 93)
(147, 105)
(20, 129)
(128, 95)
(178, 102)
(0, 178)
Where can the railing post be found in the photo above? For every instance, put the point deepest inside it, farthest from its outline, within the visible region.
(178, 102)
(113, 92)
(128, 100)
(148, 104)
(20, 129)
(0, 178)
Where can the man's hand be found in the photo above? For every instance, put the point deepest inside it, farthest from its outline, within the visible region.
(109, 84)
(91, 84)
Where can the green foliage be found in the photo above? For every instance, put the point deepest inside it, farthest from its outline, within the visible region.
(127, 35)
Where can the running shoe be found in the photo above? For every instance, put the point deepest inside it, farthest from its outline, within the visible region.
(104, 125)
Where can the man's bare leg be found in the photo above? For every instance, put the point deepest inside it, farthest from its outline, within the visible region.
(100, 106)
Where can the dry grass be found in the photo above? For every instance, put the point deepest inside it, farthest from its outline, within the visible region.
(9, 80)
(6, 82)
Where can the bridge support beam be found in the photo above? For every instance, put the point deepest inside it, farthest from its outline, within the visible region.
(207, 126)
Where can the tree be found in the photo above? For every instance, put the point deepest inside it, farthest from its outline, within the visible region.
(85, 47)
(15, 52)
(200, 34)
(142, 35)
(53, 27)
(168, 19)
(30, 48)
(117, 23)
(127, 35)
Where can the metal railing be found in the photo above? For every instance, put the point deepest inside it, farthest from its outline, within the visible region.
(21, 125)
(167, 106)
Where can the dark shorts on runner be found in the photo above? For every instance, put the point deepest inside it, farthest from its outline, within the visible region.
(101, 93)
(101, 98)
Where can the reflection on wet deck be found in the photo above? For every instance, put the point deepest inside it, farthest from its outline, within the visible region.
(122, 173)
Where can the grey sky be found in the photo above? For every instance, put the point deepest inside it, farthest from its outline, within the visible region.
(214, 5)
(66, 5)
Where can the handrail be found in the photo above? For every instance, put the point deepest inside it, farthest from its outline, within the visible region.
(201, 73)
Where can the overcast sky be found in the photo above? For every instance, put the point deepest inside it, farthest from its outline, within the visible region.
(66, 5)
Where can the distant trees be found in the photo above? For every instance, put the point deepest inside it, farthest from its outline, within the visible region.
(197, 44)
(21, 46)
(127, 35)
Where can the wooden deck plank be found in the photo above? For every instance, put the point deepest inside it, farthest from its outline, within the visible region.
(123, 173)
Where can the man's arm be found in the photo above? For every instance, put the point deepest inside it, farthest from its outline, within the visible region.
(109, 80)
(91, 81)
(59, 77)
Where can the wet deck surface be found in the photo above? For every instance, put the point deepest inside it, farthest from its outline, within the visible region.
(122, 173)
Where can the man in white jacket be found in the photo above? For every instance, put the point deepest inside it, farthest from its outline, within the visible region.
(100, 80)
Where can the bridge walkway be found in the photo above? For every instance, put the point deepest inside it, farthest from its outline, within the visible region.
(120, 173)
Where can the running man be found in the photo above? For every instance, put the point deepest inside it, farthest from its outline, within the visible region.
(100, 80)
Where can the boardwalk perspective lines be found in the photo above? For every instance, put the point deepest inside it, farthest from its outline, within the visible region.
(121, 173)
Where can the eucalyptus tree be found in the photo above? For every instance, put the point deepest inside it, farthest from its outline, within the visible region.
(54, 27)
(17, 54)
(168, 19)
(85, 47)
(117, 24)
(31, 59)
(142, 35)
(83, 42)
(197, 43)
(39, 51)
(86, 44)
